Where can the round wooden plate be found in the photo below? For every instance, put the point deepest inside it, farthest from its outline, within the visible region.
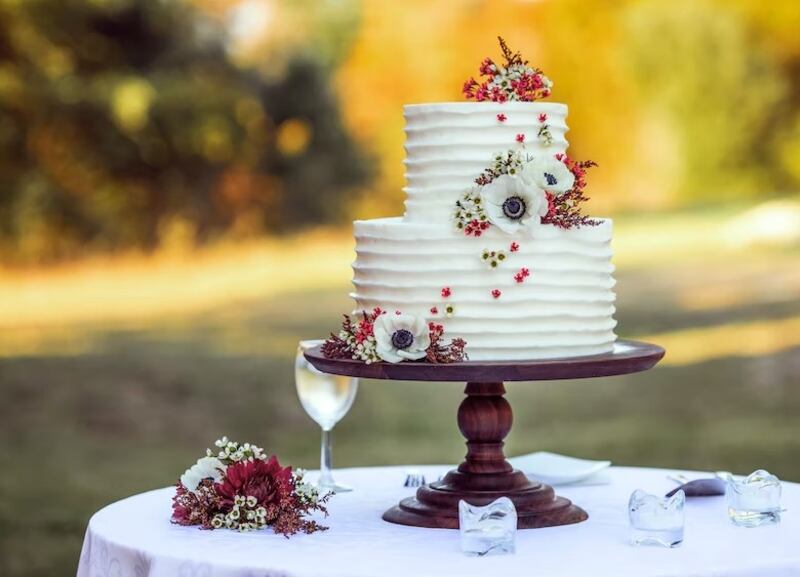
(627, 357)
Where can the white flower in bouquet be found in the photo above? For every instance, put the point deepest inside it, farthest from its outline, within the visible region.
(205, 468)
(513, 205)
(401, 337)
(548, 174)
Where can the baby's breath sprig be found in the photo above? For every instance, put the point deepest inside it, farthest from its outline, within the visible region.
(232, 452)
(508, 162)
(245, 515)
(470, 216)
(493, 258)
(544, 135)
(307, 493)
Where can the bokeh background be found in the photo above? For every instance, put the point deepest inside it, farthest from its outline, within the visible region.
(177, 179)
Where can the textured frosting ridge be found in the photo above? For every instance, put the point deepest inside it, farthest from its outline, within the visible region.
(564, 308)
(449, 144)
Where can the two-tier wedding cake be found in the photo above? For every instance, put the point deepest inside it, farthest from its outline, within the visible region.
(493, 248)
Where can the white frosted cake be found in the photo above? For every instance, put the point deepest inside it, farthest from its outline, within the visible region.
(492, 245)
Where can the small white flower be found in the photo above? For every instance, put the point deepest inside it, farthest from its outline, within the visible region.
(549, 174)
(401, 337)
(205, 468)
(513, 205)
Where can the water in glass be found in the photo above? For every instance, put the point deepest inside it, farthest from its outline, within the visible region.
(326, 398)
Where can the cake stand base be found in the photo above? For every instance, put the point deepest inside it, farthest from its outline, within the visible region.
(485, 419)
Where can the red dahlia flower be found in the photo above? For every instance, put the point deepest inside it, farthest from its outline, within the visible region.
(267, 481)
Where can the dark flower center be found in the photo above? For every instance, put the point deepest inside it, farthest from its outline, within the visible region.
(551, 180)
(514, 207)
(402, 339)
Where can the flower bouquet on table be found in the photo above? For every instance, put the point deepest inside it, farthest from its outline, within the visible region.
(240, 487)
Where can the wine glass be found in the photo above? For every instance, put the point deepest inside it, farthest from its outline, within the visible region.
(326, 398)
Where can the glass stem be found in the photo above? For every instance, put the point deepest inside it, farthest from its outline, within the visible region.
(325, 464)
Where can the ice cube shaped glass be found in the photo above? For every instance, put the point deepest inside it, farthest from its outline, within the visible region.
(656, 520)
(754, 500)
(488, 530)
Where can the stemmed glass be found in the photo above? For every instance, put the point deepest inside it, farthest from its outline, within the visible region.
(326, 398)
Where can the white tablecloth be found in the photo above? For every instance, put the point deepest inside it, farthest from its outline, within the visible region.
(134, 538)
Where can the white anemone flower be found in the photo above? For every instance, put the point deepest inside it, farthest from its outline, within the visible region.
(513, 205)
(401, 337)
(205, 468)
(549, 174)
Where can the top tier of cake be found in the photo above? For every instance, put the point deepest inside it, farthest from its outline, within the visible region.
(449, 144)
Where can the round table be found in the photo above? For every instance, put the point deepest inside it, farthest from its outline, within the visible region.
(134, 538)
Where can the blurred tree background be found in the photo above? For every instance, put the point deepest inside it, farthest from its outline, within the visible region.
(682, 103)
(132, 124)
(128, 124)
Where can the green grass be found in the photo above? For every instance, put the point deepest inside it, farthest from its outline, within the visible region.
(81, 431)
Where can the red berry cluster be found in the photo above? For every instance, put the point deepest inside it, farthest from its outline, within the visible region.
(522, 275)
(476, 227)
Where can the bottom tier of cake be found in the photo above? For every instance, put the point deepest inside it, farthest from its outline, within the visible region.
(547, 295)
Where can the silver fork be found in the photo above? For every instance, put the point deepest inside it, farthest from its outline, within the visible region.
(414, 478)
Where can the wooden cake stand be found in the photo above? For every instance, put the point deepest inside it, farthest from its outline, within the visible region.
(485, 418)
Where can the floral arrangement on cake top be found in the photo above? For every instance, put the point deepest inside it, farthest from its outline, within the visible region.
(519, 192)
(380, 336)
(514, 80)
(240, 487)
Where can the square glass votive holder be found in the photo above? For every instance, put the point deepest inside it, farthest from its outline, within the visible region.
(656, 520)
(754, 500)
(488, 530)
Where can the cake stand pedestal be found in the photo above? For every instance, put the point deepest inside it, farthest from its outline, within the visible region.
(484, 418)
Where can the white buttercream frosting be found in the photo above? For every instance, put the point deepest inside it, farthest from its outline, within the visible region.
(449, 144)
(563, 308)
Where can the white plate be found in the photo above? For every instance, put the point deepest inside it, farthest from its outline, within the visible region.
(555, 469)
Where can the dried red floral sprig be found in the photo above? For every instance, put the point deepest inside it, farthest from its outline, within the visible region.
(514, 80)
(198, 507)
(514, 247)
(501, 117)
(565, 209)
(496, 293)
(446, 291)
(522, 275)
(440, 351)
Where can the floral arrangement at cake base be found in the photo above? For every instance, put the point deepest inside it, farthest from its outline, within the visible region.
(393, 338)
(240, 487)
